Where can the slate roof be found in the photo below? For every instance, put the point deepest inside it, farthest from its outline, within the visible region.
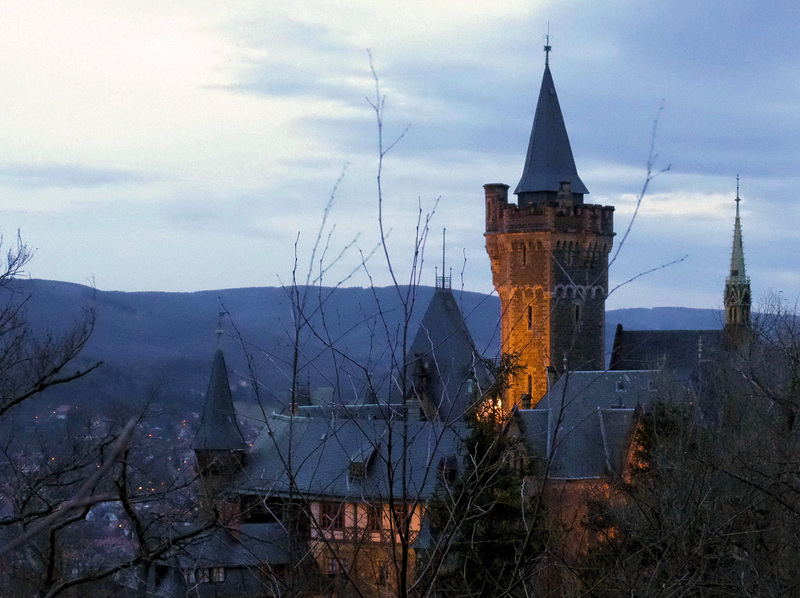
(585, 422)
(549, 160)
(738, 274)
(250, 549)
(678, 351)
(218, 429)
(324, 442)
(252, 545)
(447, 373)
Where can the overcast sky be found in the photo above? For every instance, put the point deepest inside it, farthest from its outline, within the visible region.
(182, 146)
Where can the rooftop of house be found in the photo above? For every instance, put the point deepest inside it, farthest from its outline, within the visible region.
(349, 453)
(584, 423)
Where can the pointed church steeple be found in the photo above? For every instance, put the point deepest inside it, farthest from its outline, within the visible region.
(550, 174)
(737, 284)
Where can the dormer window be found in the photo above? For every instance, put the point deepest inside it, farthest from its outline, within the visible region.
(360, 460)
(357, 470)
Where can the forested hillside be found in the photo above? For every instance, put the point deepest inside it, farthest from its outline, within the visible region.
(157, 344)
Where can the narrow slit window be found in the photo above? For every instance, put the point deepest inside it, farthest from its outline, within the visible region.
(530, 317)
(530, 385)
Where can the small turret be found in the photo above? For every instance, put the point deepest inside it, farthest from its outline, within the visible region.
(737, 284)
(219, 445)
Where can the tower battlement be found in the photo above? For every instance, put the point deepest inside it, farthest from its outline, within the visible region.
(565, 217)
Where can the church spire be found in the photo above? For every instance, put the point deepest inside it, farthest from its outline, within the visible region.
(737, 285)
(550, 174)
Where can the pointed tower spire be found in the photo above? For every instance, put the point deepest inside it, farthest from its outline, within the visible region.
(550, 174)
(219, 445)
(737, 285)
(218, 429)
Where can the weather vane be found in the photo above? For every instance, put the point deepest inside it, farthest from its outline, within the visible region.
(547, 46)
(738, 199)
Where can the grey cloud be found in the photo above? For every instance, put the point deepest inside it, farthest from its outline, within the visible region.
(67, 175)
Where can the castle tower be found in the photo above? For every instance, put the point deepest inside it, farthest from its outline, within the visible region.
(737, 284)
(549, 255)
(218, 446)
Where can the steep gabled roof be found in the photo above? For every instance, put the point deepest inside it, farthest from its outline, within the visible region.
(585, 422)
(218, 429)
(447, 372)
(678, 351)
(549, 161)
(320, 445)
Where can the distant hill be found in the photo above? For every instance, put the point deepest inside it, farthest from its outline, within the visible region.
(157, 344)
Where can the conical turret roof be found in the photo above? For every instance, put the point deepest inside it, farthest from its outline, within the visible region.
(218, 428)
(549, 161)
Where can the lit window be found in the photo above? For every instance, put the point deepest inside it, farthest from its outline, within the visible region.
(401, 512)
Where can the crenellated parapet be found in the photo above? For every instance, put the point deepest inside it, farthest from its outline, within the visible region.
(505, 217)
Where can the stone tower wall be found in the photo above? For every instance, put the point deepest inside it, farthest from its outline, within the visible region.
(550, 269)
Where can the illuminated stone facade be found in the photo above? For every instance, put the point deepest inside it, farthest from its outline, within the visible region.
(549, 255)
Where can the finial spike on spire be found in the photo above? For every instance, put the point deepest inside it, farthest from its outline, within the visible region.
(547, 46)
(220, 331)
(444, 247)
(738, 199)
(443, 281)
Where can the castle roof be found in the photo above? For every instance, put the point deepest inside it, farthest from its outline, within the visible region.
(679, 351)
(447, 373)
(218, 429)
(549, 161)
(583, 425)
(349, 453)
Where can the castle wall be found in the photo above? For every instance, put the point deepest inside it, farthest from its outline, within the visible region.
(550, 269)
